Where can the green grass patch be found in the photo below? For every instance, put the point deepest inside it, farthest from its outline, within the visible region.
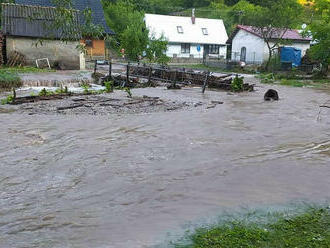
(24, 69)
(293, 83)
(271, 78)
(310, 228)
(9, 80)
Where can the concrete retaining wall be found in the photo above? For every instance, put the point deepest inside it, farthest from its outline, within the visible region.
(66, 54)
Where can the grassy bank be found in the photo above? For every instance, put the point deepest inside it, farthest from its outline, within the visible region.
(293, 82)
(9, 80)
(311, 228)
(25, 69)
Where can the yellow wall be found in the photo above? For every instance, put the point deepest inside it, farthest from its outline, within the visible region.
(98, 48)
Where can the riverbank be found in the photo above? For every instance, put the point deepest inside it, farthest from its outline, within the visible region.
(309, 227)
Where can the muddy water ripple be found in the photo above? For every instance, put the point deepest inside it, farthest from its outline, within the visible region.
(125, 180)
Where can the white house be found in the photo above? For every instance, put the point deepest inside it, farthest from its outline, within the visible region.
(247, 44)
(189, 36)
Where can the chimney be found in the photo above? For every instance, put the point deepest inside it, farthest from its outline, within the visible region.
(193, 18)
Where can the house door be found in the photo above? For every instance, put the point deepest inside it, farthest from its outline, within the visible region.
(243, 54)
(206, 52)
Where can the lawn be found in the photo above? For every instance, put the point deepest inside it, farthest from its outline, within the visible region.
(24, 69)
(311, 228)
(271, 78)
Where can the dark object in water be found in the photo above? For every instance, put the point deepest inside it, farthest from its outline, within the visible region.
(271, 95)
(174, 87)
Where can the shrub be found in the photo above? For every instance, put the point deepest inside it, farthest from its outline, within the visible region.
(85, 88)
(237, 84)
(62, 91)
(9, 80)
(128, 91)
(108, 86)
(45, 92)
(8, 100)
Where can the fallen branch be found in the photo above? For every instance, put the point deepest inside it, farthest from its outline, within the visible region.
(70, 107)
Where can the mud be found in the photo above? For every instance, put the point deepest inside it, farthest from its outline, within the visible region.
(130, 180)
(102, 104)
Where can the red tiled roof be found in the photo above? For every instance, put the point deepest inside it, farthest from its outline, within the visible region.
(290, 34)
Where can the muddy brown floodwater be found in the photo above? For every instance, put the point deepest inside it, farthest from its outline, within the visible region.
(126, 180)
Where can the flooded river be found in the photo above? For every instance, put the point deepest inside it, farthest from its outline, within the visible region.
(126, 180)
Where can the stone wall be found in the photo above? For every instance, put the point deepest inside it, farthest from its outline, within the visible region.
(63, 54)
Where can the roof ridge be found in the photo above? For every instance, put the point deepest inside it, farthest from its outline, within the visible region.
(34, 6)
(184, 16)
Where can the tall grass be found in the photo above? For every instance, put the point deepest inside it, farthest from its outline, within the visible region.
(9, 80)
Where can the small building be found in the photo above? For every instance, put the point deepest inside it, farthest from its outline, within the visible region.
(96, 48)
(25, 32)
(189, 37)
(247, 44)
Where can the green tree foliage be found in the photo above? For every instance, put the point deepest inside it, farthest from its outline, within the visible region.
(320, 30)
(125, 18)
(270, 19)
(4, 1)
(274, 20)
(134, 39)
(156, 50)
(162, 6)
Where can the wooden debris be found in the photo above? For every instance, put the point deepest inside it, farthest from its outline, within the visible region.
(16, 59)
(71, 107)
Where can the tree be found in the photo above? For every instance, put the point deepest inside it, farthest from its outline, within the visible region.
(134, 40)
(72, 24)
(156, 50)
(127, 21)
(4, 1)
(320, 31)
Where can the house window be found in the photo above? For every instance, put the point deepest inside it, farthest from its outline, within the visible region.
(205, 31)
(180, 29)
(214, 49)
(89, 43)
(185, 48)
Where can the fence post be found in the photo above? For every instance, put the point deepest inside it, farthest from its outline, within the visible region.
(110, 69)
(149, 76)
(205, 81)
(95, 66)
(127, 75)
(183, 74)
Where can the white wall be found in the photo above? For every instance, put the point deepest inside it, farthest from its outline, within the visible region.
(254, 47)
(175, 48)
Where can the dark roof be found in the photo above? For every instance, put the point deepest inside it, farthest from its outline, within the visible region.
(290, 34)
(33, 21)
(94, 5)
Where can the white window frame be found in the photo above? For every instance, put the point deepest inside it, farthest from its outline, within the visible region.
(205, 31)
(179, 29)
